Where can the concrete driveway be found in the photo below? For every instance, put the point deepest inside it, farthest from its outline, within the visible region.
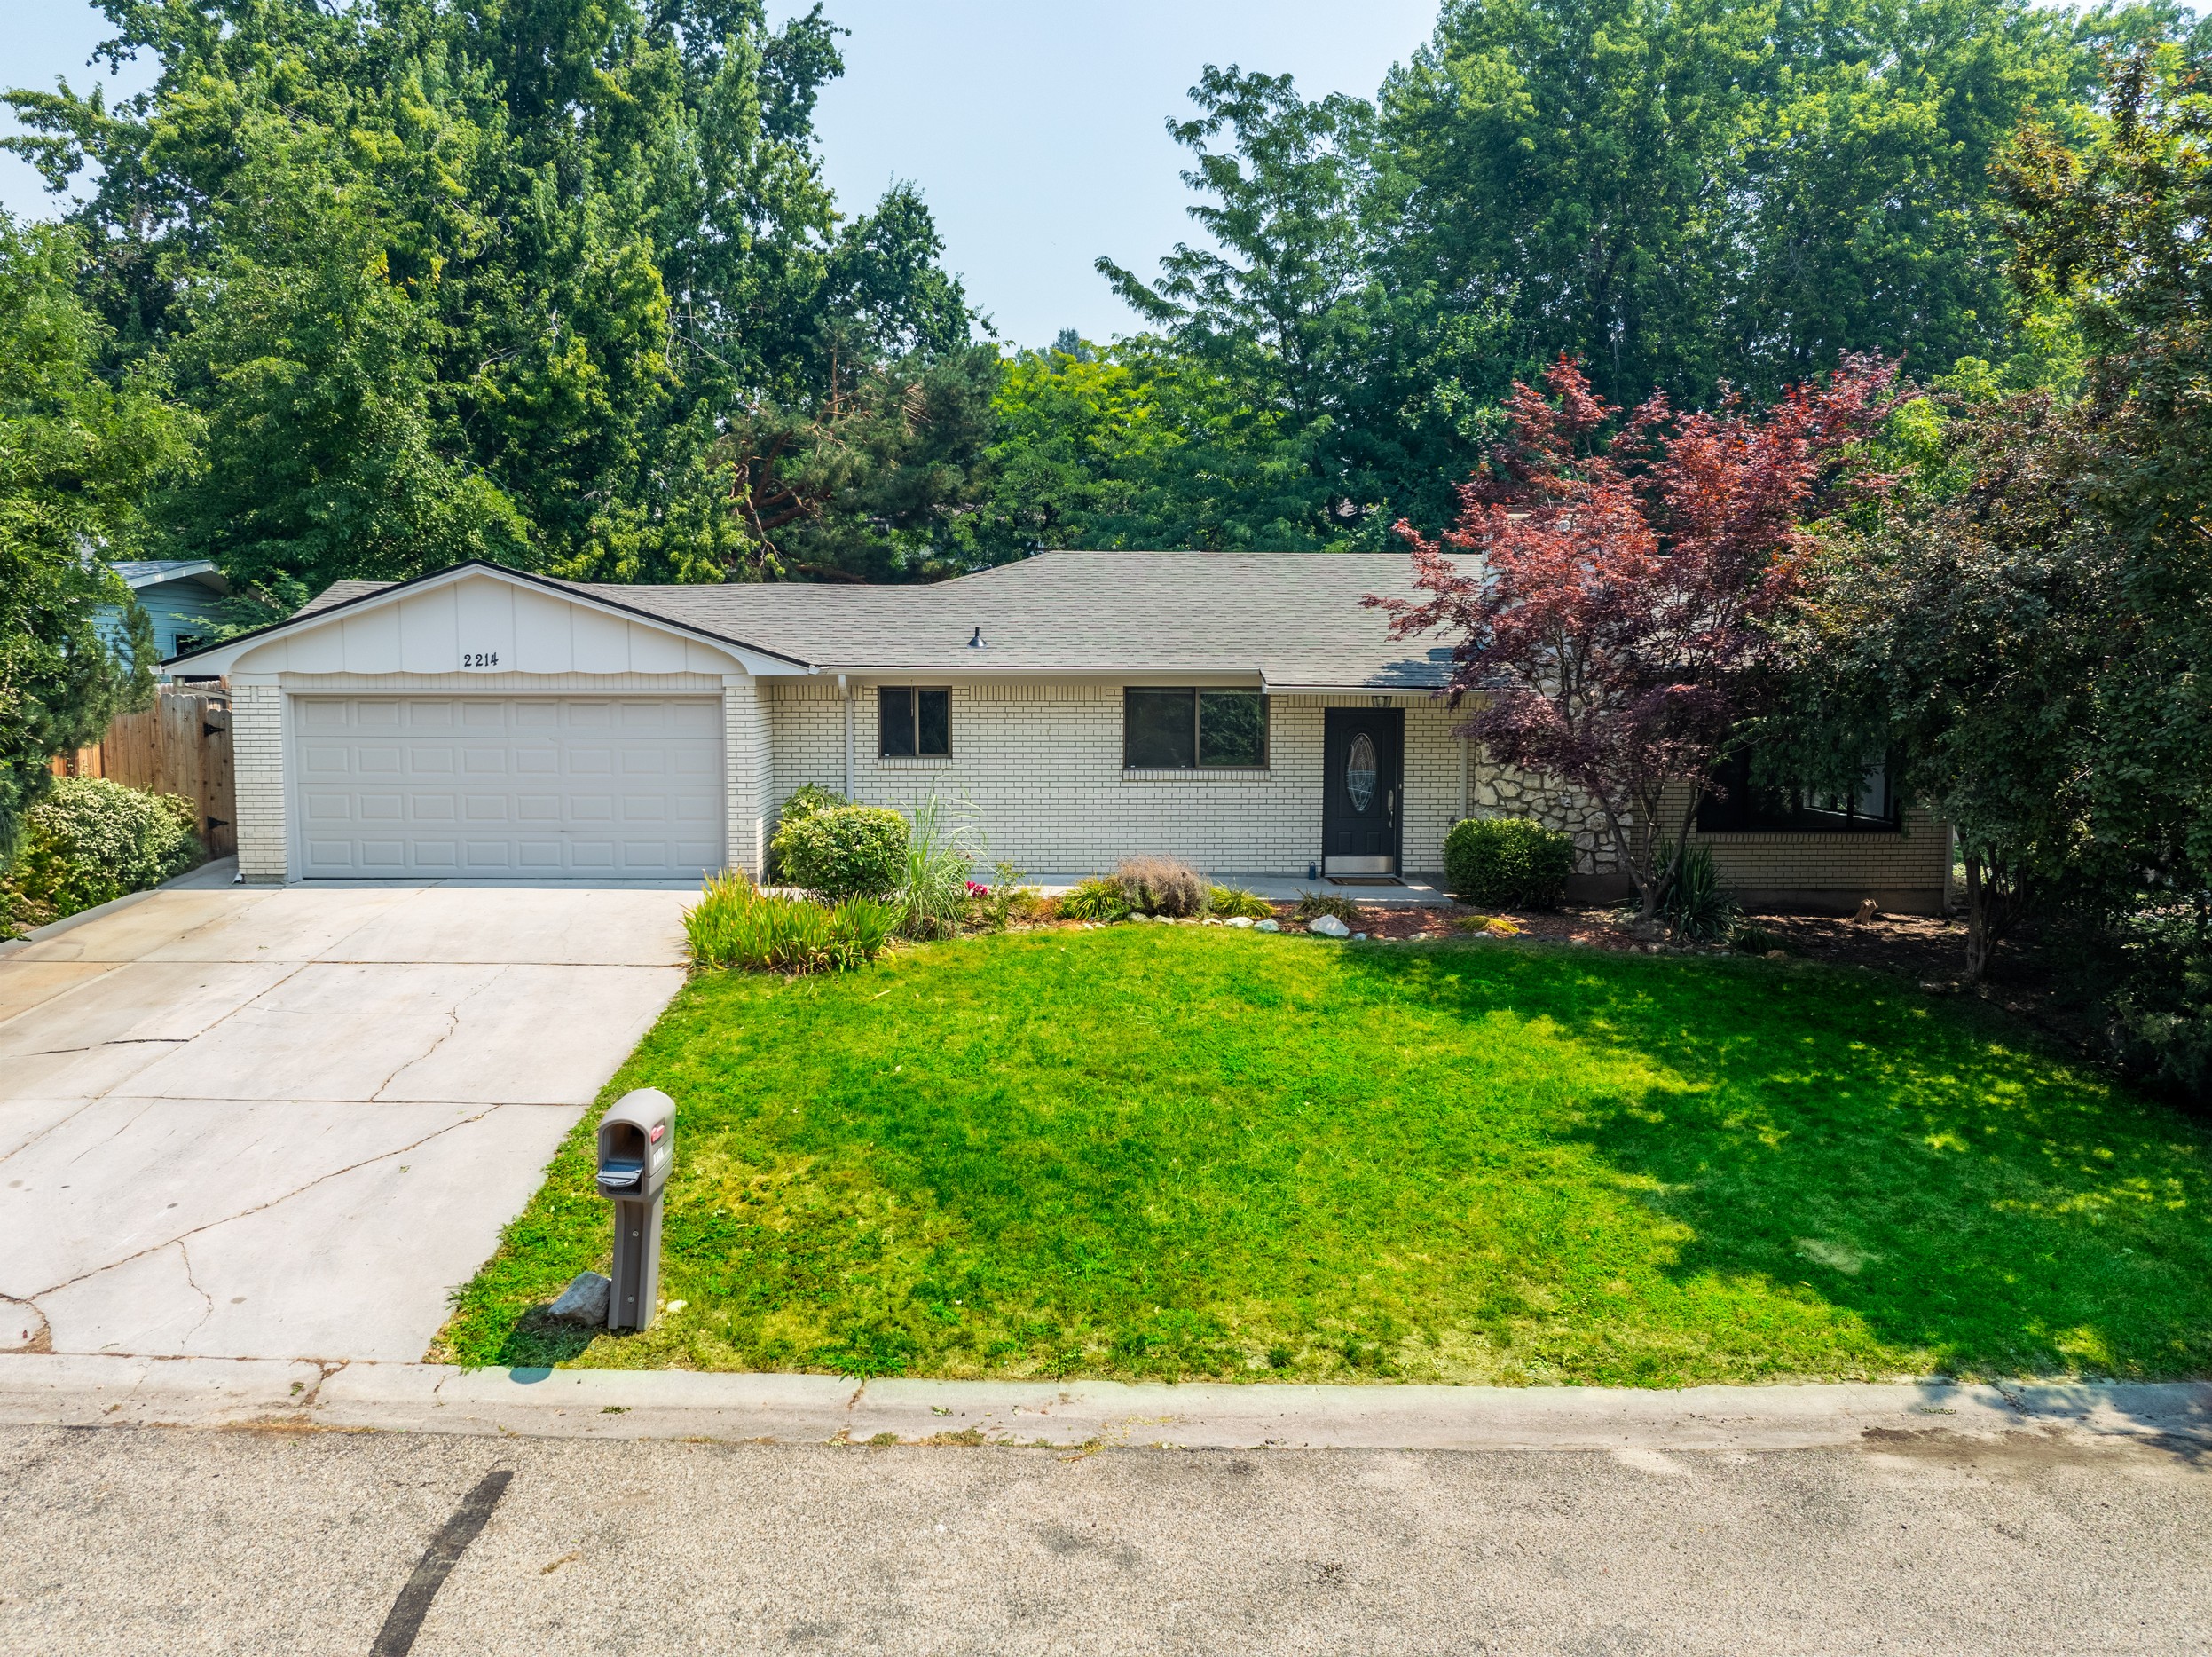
(286, 1122)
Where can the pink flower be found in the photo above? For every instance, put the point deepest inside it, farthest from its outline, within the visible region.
(978, 891)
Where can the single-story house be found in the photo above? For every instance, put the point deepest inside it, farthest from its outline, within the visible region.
(1238, 710)
(183, 598)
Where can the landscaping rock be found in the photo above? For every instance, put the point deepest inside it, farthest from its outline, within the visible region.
(1245, 921)
(584, 1302)
(1210, 921)
(1266, 926)
(1328, 927)
(1359, 937)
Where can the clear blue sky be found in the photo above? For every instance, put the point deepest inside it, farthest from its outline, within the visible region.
(1032, 127)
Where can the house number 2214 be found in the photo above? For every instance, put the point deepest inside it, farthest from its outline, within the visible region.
(479, 658)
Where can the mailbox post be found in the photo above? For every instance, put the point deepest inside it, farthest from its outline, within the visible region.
(637, 1147)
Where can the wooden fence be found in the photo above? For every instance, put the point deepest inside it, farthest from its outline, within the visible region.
(180, 746)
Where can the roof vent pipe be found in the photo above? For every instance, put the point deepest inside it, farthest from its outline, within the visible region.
(976, 643)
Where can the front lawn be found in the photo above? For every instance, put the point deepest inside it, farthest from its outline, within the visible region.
(1155, 1151)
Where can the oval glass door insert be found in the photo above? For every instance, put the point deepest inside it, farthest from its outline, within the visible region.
(1359, 772)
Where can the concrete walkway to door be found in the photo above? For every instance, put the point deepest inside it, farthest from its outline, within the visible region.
(287, 1122)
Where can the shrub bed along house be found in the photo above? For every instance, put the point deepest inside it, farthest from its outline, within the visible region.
(91, 841)
(1510, 862)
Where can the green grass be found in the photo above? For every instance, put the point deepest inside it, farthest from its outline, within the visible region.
(1191, 1152)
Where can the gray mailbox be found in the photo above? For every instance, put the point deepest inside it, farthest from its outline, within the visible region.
(637, 1147)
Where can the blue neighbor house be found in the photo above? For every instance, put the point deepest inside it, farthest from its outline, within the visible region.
(182, 596)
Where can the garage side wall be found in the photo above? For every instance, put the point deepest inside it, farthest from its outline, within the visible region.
(749, 765)
(257, 766)
(1042, 764)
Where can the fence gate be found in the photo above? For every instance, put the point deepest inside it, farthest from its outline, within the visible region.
(180, 746)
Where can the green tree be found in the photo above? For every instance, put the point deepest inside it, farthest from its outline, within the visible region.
(77, 457)
(2117, 228)
(1273, 306)
(451, 280)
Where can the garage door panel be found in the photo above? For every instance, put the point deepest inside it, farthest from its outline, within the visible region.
(523, 787)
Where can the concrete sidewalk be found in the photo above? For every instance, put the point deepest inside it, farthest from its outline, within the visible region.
(54, 1390)
(276, 1122)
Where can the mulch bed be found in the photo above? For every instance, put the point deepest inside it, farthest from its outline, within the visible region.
(1928, 949)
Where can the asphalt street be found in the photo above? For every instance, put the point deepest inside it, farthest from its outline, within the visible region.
(119, 1540)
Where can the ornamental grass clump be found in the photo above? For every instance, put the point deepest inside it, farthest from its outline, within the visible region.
(1232, 903)
(735, 924)
(932, 895)
(1313, 905)
(1099, 898)
(1160, 885)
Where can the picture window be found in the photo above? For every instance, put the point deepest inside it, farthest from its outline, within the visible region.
(1194, 729)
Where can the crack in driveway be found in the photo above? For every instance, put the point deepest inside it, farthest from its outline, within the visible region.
(320, 1179)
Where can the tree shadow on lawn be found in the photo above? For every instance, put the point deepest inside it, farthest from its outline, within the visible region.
(1964, 1191)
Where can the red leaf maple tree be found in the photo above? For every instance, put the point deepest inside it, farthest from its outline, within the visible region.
(1607, 587)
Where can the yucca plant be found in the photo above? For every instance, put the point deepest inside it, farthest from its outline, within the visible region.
(1696, 908)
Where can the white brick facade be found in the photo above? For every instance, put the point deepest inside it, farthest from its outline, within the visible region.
(1036, 723)
(1042, 764)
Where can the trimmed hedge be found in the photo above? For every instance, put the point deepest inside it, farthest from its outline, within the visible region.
(844, 851)
(1511, 862)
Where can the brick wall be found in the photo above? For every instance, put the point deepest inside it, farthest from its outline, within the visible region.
(747, 764)
(257, 769)
(1907, 872)
(1042, 763)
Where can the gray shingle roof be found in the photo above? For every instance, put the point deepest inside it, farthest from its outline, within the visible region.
(1294, 617)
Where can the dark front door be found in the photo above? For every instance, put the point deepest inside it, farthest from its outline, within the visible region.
(1360, 816)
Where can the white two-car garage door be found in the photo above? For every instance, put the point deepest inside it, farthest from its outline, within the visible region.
(528, 787)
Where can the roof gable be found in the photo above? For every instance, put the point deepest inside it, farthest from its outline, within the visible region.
(482, 617)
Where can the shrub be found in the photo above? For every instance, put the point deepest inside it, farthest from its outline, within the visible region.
(1098, 898)
(1753, 939)
(804, 802)
(1160, 885)
(1695, 908)
(2159, 1023)
(91, 841)
(1004, 900)
(735, 924)
(1234, 903)
(844, 851)
(933, 890)
(1510, 862)
(1313, 905)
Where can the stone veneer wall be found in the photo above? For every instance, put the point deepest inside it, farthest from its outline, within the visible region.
(1042, 763)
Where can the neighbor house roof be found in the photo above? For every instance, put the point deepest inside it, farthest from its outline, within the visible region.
(1293, 618)
(143, 572)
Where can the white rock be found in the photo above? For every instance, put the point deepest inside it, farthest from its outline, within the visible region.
(583, 1301)
(1244, 921)
(1211, 921)
(1328, 927)
(1359, 937)
(1266, 926)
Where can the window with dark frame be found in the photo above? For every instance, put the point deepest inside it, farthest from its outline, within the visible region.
(913, 724)
(1740, 806)
(1189, 730)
